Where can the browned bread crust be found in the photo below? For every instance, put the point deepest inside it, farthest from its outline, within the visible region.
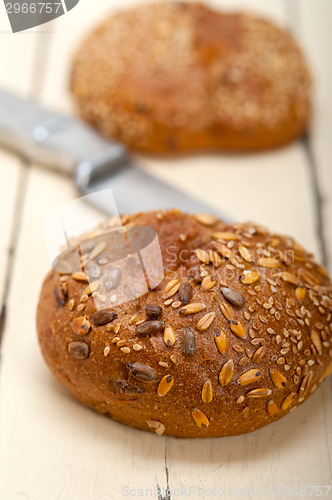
(258, 349)
(173, 76)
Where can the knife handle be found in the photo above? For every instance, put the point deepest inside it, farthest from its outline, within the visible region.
(62, 142)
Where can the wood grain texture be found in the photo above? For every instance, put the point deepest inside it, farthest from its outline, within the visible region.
(17, 60)
(9, 177)
(53, 447)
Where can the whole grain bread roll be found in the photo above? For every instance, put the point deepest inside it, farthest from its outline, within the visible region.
(175, 76)
(236, 335)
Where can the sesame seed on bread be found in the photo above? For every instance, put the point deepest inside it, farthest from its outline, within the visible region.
(177, 76)
(237, 334)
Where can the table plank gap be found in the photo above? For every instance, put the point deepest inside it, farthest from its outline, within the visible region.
(38, 54)
(292, 10)
(321, 225)
(13, 242)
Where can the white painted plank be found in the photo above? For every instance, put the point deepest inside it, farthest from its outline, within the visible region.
(66, 40)
(314, 29)
(16, 61)
(272, 188)
(287, 453)
(22, 368)
(9, 177)
(52, 446)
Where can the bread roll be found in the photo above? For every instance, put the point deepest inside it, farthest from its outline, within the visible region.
(173, 77)
(236, 335)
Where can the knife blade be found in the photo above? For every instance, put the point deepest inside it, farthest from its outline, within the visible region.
(72, 147)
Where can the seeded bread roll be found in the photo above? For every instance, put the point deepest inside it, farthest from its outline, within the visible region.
(236, 335)
(171, 77)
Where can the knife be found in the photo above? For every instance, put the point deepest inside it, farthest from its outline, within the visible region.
(97, 164)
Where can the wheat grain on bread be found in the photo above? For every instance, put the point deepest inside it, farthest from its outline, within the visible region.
(189, 360)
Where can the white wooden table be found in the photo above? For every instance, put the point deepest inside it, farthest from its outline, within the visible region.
(52, 447)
